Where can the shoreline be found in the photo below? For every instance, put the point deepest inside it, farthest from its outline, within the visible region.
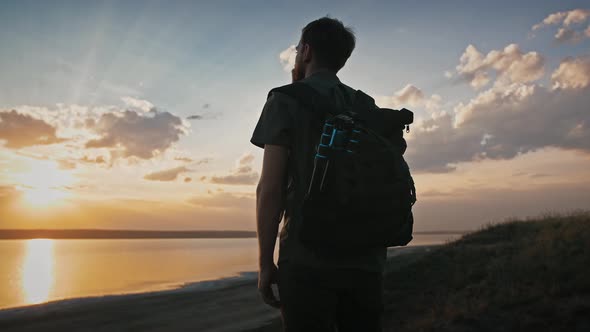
(194, 287)
(226, 304)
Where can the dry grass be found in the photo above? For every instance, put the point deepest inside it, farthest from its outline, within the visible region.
(519, 275)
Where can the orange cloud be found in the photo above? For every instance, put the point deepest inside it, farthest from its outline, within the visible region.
(409, 96)
(572, 73)
(243, 174)
(167, 175)
(22, 130)
(97, 160)
(510, 64)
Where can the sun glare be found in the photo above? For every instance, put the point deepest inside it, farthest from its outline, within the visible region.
(38, 271)
(43, 197)
(43, 184)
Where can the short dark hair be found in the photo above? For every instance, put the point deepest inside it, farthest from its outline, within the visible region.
(331, 42)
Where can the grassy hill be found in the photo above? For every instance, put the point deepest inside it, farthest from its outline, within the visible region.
(515, 276)
(520, 275)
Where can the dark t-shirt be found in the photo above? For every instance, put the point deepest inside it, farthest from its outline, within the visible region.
(285, 122)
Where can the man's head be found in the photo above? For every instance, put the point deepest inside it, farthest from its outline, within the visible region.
(325, 44)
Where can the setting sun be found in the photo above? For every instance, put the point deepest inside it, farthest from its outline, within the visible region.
(43, 184)
(43, 197)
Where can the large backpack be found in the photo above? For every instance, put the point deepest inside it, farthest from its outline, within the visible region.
(361, 192)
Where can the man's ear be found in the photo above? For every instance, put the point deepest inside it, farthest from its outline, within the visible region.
(307, 55)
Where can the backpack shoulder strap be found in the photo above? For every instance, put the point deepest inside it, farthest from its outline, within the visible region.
(307, 96)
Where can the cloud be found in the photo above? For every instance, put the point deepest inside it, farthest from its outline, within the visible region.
(505, 121)
(565, 20)
(22, 130)
(242, 174)
(246, 159)
(138, 104)
(167, 175)
(510, 64)
(572, 73)
(552, 19)
(124, 132)
(225, 200)
(142, 135)
(185, 159)
(287, 58)
(567, 35)
(203, 161)
(409, 96)
(66, 164)
(204, 116)
(194, 162)
(576, 16)
(96, 160)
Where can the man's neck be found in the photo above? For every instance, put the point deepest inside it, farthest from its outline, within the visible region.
(313, 70)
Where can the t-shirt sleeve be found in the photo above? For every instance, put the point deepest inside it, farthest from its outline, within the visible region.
(275, 125)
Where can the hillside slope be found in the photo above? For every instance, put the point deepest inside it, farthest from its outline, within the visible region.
(514, 276)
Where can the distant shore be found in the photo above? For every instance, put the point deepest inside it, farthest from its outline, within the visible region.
(58, 234)
(223, 305)
(80, 234)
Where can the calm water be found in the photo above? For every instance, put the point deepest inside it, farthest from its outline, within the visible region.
(40, 270)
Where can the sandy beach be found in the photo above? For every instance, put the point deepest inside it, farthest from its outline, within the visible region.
(235, 306)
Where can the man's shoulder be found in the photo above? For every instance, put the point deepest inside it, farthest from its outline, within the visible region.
(287, 96)
(293, 96)
(348, 89)
(279, 99)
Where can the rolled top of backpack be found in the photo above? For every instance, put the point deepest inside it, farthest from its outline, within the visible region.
(406, 116)
(402, 117)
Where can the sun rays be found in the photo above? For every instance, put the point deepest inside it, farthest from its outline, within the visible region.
(43, 184)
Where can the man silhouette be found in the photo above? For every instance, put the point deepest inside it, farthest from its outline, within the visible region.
(317, 291)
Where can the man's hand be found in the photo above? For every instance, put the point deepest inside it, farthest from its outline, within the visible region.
(266, 277)
(295, 75)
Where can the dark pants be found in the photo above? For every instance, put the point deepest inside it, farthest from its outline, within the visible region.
(330, 300)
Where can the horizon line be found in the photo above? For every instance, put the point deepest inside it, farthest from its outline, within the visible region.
(98, 233)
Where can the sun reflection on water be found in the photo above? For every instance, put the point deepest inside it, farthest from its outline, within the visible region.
(38, 273)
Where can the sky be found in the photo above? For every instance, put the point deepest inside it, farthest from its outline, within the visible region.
(138, 114)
